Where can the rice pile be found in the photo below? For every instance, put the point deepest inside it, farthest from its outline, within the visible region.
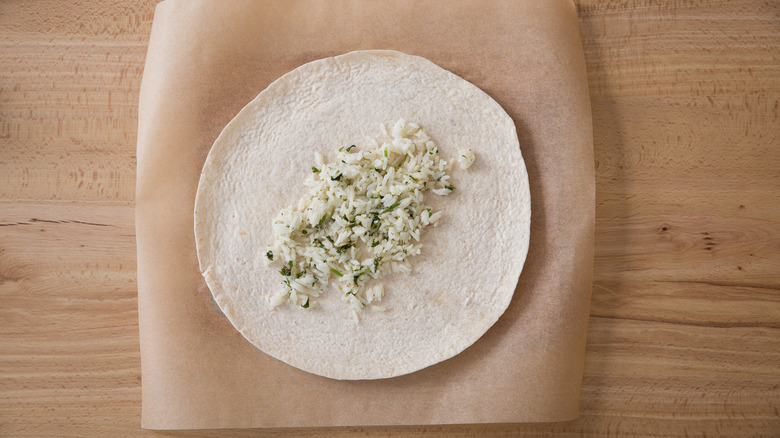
(361, 219)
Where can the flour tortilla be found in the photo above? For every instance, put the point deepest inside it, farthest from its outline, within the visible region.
(470, 263)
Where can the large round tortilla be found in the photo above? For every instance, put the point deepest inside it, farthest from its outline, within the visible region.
(470, 263)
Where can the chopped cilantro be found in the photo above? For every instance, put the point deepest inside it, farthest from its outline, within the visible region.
(449, 187)
(356, 276)
(350, 148)
(390, 208)
(336, 272)
(306, 304)
(315, 170)
(287, 270)
(270, 255)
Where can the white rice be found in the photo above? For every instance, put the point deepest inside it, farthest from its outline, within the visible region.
(361, 219)
(465, 158)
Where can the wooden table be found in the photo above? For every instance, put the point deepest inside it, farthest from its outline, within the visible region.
(684, 333)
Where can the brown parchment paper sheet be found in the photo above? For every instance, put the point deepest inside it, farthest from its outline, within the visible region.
(206, 60)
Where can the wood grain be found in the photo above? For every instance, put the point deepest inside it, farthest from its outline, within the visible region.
(684, 337)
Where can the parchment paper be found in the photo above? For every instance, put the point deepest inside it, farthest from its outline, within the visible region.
(206, 60)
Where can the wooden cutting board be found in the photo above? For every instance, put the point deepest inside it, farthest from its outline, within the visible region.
(684, 335)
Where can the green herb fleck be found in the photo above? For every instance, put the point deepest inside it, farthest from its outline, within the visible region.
(342, 249)
(337, 177)
(319, 224)
(374, 243)
(270, 255)
(376, 262)
(390, 208)
(385, 152)
(449, 187)
(350, 148)
(315, 170)
(306, 304)
(336, 272)
(304, 232)
(356, 276)
(330, 239)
